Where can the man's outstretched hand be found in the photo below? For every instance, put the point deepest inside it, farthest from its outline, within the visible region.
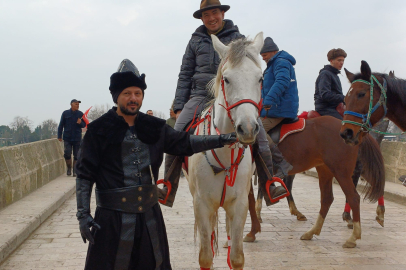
(227, 139)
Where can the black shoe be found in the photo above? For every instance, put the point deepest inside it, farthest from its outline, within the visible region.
(276, 192)
(69, 166)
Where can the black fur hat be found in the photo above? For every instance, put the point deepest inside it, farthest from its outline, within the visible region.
(127, 75)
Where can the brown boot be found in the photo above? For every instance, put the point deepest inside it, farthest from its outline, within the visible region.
(173, 168)
(69, 165)
(263, 162)
(74, 168)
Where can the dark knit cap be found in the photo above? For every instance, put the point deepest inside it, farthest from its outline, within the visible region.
(269, 46)
(126, 76)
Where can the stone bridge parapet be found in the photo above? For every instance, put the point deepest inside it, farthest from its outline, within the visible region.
(27, 167)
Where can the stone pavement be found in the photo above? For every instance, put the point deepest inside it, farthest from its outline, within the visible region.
(57, 243)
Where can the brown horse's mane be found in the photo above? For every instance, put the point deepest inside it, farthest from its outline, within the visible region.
(396, 86)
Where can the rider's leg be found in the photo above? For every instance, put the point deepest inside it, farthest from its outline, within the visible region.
(282, 167)
(192, 108)
(263, 162)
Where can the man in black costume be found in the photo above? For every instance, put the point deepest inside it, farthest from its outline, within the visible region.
(122, 152)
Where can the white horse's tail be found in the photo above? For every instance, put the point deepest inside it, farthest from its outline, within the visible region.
(214, 240)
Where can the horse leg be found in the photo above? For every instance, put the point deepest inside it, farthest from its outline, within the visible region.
(255, 225)
(227, 230)
(326, 190)
(353, 199)
(258, 204)
(237, 213)
(204, 218)
(355, 178)
(291, 202)
(380, 211)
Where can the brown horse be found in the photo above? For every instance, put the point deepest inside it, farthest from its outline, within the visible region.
(320, 145)
(359, 97)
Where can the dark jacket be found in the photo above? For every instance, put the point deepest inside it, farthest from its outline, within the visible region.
(100, 154)
(329, 92)
(200, 63)
(279, 88)
(72, 132)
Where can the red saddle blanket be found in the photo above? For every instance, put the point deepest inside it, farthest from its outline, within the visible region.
(288, 129)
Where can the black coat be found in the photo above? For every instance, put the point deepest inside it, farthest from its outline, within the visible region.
(72, 132)
(200, 63)
(100, 154)
(329, 92)
(100, 162)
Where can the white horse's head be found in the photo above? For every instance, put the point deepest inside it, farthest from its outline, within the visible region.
(241, 74)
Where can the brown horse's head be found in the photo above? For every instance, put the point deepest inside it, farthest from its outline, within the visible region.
(357, 101)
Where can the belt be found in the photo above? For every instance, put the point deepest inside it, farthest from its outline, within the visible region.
(135, 199)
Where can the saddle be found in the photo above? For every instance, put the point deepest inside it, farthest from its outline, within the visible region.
(285, 128)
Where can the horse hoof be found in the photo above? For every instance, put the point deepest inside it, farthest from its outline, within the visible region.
(349, 245)
(347, 217)
(380, 221)
(249, 238)
(307, 236)
(225, 244)
(301, 218)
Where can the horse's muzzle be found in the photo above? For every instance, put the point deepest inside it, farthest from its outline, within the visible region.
(349, 137)
(247, 132)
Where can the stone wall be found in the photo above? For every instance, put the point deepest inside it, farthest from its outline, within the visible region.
(26, 167)
(394, 154)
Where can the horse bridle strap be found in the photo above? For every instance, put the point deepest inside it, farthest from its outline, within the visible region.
(366, 124)
(228, 108)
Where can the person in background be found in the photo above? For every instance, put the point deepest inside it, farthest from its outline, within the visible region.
(328, 97)
(150, 112)
(71, 125)
(172, 118)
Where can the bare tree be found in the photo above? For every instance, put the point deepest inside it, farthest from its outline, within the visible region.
(22, 129)
(20, 122)
(159, 114)
(97, 111)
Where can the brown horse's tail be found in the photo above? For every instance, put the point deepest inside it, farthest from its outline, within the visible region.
(373, 169)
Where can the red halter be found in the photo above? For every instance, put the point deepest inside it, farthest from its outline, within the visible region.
(228, 108)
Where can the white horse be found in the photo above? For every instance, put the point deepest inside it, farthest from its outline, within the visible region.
(237, 92)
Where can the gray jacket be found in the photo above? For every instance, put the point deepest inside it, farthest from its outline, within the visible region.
(200, 63)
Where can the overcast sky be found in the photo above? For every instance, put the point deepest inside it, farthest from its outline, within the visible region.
(54, 51)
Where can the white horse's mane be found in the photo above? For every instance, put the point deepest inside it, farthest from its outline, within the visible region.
(235, 55)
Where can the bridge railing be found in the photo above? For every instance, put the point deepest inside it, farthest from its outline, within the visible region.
(27, 167)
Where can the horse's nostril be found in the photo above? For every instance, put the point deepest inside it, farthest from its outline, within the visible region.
(256, 128)
(240, 130)
(348, 134)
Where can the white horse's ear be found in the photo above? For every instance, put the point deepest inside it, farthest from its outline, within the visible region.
(258, 42)
(220, 48)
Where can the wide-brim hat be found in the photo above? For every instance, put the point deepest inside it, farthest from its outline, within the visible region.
(209, 4)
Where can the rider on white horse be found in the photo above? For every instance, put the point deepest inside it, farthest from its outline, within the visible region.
(199, 66)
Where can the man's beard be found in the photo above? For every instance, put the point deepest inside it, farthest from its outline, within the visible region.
(125, 111)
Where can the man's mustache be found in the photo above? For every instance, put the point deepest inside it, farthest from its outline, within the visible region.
(133, 103)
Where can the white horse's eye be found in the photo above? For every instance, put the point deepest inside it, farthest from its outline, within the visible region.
(226, 80)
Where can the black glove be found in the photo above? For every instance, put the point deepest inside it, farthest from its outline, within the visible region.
(85, 223)
(227, 139)
(83, 194)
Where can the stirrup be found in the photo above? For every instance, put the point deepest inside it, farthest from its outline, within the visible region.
(169, 185)
(270, 182)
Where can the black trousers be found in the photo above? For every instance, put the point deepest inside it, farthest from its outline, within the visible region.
(69, 146)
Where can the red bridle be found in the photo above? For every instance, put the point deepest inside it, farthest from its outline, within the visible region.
(228, 108)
